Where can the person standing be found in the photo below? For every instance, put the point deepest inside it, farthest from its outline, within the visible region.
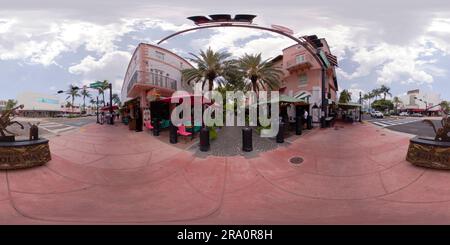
(305, 116)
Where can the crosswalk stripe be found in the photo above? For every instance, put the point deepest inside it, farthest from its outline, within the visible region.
(387, 123)
(55, 128)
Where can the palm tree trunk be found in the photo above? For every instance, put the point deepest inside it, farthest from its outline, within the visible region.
(73, 99)
(211, 83)
(103, 94)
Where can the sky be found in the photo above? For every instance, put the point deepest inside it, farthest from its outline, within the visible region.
(48, 44)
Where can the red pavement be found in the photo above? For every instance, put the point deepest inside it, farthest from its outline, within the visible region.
(107, 174)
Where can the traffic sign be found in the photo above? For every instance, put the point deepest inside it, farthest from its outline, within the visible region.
(96, 85)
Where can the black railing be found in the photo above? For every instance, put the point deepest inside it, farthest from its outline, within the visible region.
(151, 78)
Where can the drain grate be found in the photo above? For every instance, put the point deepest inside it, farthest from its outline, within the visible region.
(296, 160)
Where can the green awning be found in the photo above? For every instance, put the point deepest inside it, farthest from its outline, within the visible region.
(288, 99)
(349, 104)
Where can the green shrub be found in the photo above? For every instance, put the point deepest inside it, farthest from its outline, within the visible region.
(212, 133)
(382, 105)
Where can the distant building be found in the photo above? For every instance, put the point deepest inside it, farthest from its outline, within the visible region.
(416, 101)
(152, 71)
(303, 76)
(39, 105)
(3, 104)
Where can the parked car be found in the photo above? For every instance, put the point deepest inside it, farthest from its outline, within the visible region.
(417, 115)
(404, 114)
(376, 114)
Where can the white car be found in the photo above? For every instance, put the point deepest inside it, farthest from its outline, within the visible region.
(403, 114)
(376, 114)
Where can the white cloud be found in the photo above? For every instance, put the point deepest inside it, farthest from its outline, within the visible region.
(112, 67)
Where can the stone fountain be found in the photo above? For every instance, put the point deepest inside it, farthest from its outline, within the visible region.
(432, 152)
(21, 153)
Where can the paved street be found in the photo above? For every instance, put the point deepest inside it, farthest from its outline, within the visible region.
(387, 122)
(49, 127)
(109, 174)
(410, 125)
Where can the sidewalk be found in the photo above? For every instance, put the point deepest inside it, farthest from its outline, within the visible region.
(350, 174)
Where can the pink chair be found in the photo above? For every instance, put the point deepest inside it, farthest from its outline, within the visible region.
(148, 125)
(182, 131)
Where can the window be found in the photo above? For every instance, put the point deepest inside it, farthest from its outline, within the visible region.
(159, 55)
(302, 79)
(299, 59)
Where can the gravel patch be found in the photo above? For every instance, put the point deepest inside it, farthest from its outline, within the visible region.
(229, 143)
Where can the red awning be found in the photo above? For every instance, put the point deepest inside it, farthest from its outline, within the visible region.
(106, 108)
(417, 110)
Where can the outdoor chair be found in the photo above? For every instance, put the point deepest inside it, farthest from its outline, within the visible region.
(182, 131)
(148, 125)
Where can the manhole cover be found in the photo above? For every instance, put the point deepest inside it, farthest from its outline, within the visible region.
(296, 160)
(382, 134)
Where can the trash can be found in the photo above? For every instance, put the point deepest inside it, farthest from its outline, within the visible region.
(309, 122)
(173, 134)
(156, 127)
(204, 139)
(280, 135)
(298, 125)
(247, 143)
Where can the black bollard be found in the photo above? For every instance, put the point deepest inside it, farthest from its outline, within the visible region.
(204, 139)
(156, 127)
(322, 122)
(247, 143)
(298, 125)
(309, 122)
(173, 134)
(280, 135)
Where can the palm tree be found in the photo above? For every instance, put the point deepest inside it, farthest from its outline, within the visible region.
(368, 97)
(73, 92)
(345, 97)
(385, 90)
(105, 86)
(85, 93)
(445, 106)
(376, 92)
(10, 104)
(210, 67)
(261, 74)
(116, 99)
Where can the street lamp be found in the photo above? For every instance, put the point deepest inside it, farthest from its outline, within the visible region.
(424, 101)
(360, 108)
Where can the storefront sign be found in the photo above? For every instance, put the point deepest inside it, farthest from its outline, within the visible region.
(25, 156)
(429, 156)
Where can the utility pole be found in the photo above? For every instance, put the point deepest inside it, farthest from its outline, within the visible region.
(110, 105)
(98, 121)
(360, 108)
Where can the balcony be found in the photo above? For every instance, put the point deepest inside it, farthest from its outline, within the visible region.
(300, 63)
(147, 80)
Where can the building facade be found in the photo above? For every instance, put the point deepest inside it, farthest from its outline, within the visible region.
(3, 104)
(152, 72)
(417, 101)
(38, 104)
(303, 76)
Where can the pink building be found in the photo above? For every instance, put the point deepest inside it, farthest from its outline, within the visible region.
(152, 71)
(303, 77)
